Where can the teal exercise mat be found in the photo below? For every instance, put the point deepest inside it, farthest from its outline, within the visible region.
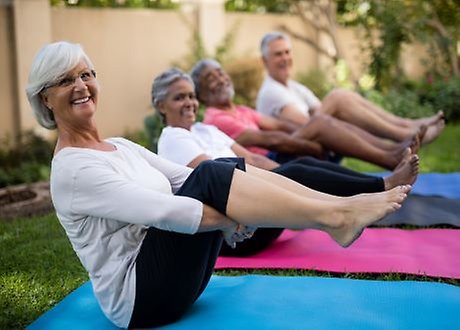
(271, 302)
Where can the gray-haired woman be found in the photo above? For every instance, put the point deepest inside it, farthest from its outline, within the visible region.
(188, 142)
(147, 230)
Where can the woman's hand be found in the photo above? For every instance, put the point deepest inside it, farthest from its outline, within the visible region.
(232, 231)
(237, 234)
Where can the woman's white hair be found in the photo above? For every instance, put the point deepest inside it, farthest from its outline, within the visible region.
(269, 37)
(50, 65)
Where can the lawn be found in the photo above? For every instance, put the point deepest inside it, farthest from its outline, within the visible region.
(38, 266)
(443, 155)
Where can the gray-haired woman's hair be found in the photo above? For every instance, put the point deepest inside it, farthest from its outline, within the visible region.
(160, 86)
(269, 37)
(50, 65)
(198, 68)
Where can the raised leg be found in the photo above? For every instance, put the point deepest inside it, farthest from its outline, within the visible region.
(334, 135)
(282, 203)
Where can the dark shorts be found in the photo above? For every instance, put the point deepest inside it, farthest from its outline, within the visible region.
(173, 269)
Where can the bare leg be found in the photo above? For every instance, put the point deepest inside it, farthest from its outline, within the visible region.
(433, 131)
(412, 142)
(334, 135)
(255, 202)
(352, 108)
(407, 122)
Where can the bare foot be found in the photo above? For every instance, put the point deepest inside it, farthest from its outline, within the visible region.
(418, 138)
(405, 157)
(357, 212)
(405, 173)
(433, 131)
(428, 121)
(396, 157)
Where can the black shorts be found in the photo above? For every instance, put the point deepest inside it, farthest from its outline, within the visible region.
(173, 269)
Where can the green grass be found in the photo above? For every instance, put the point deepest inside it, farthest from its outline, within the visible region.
(443, 155)
(38, 267)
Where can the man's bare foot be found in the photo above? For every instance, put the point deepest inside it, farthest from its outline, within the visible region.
(418, 138)
(396, 157)
(428, 121)
(405, 173)
(355, 213)
(433, 131)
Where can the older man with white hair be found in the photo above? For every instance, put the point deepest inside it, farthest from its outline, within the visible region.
(284, 98)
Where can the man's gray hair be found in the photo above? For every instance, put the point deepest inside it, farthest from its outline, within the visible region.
(50, 65)
(269, 37)
(195, 73)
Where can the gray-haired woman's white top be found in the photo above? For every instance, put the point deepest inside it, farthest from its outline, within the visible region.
(181, 146)
(105, 201)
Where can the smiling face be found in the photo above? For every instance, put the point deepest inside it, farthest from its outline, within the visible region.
(216, 87)
(278, 61)
(73, 99)
(180, 105)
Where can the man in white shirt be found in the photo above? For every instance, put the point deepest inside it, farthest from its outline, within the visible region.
(282, 97)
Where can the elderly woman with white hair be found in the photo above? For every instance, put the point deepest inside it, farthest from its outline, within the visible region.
(147, 230)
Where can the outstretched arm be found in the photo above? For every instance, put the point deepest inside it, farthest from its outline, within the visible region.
(281, 142)
(254, 159)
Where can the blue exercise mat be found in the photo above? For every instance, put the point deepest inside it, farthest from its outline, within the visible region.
(270, 302)
(445, 185)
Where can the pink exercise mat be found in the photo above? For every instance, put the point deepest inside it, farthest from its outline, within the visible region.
(431, 252)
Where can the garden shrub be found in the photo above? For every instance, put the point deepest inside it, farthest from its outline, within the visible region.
(25, 162)
(153, 126)
(404, 103)
(443, 94)
(247, 76)
(317, 81)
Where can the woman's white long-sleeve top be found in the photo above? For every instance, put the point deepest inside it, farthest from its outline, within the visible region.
(105, 201)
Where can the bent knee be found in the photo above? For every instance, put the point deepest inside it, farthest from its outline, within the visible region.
(321, 120)
(337, 95)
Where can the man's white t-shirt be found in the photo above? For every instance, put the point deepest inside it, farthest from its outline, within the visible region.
(274, 96)
(182, 146)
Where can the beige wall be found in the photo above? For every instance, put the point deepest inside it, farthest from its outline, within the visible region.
(250, 28)
(129, 47)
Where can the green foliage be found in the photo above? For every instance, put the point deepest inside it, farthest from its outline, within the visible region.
(404, 103)
(435, 24)
(259, 6)
(317, 81)
(156, 4)
(28, 161)
(153, 126)
(222, 52)
(443, 94)
(442, 155)
(247, 76)
(138, 136)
